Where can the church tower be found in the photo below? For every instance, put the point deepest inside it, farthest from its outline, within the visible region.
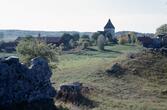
(109, 28)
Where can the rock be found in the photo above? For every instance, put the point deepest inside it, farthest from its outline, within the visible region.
(70, 92)
(75, 94)
(116, 70)
(19, 83)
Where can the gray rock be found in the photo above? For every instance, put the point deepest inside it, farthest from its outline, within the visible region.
(19, 83)
(70, 92)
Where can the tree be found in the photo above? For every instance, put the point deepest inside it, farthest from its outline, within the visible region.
(76, 36)
(29, 48)
(85, 37)
(101, 42)
(133, 37)
(109, 36)
(94, 37)
(72, 43)
(84, 41)
(66, 39)
(162, 29)
(129, 39)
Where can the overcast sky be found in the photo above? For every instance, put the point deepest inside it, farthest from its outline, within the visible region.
(82, 15)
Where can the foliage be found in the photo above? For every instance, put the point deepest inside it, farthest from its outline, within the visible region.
(101, 42)
(129, 39)
(94, 37)
(84, 41)
(72, 43)
(66, 39)
(29, 48)
(75, 36)
(162, 29)
(122, 40)
(109, 36)
(134, 38)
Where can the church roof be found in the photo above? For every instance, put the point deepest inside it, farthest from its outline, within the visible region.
(109, 25)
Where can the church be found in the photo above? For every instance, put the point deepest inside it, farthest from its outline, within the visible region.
(109, 30)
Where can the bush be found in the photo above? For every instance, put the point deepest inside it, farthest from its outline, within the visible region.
(31, 48)
(94, 37)
(122, 41)
(84, 41)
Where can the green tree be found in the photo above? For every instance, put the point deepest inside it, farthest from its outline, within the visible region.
(66, 39)
(76, 36)
(133, 37)
(29, 48)
(162, 29)
(94, 37)
(84, 41)
(101, 42)
(129, 39)
(109, 36)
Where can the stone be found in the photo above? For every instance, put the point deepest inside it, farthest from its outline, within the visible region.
(19, 83)
(116, 70)
(69, 92)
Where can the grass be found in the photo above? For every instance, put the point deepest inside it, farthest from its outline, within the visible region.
(3, 54)
(127, 93)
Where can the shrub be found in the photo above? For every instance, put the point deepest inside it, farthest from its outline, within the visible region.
(122, 41)
(31, 48)
(84, 41)
(94, 37)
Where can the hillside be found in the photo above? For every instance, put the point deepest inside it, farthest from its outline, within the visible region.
(141, 87)
(13, 34)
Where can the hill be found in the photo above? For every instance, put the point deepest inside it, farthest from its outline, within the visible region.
(13, 34)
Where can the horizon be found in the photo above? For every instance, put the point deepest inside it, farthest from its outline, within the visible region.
(83, 15)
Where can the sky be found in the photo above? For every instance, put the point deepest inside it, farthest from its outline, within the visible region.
(83, 15)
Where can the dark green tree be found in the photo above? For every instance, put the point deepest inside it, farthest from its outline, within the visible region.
(162, 29)
(76, 36)
(66, 39)
(94, 37)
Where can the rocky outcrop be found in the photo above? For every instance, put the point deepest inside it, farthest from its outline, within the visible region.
(19, 83)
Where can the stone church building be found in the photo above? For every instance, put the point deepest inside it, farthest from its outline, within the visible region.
(109, 30)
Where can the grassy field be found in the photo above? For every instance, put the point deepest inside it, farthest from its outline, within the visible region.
(126, 93)
(129, 92)
(2, 54)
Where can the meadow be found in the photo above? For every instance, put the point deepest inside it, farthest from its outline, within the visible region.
(89, 67)
(129, 92)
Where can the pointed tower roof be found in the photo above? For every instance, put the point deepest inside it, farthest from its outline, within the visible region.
(109, 25)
